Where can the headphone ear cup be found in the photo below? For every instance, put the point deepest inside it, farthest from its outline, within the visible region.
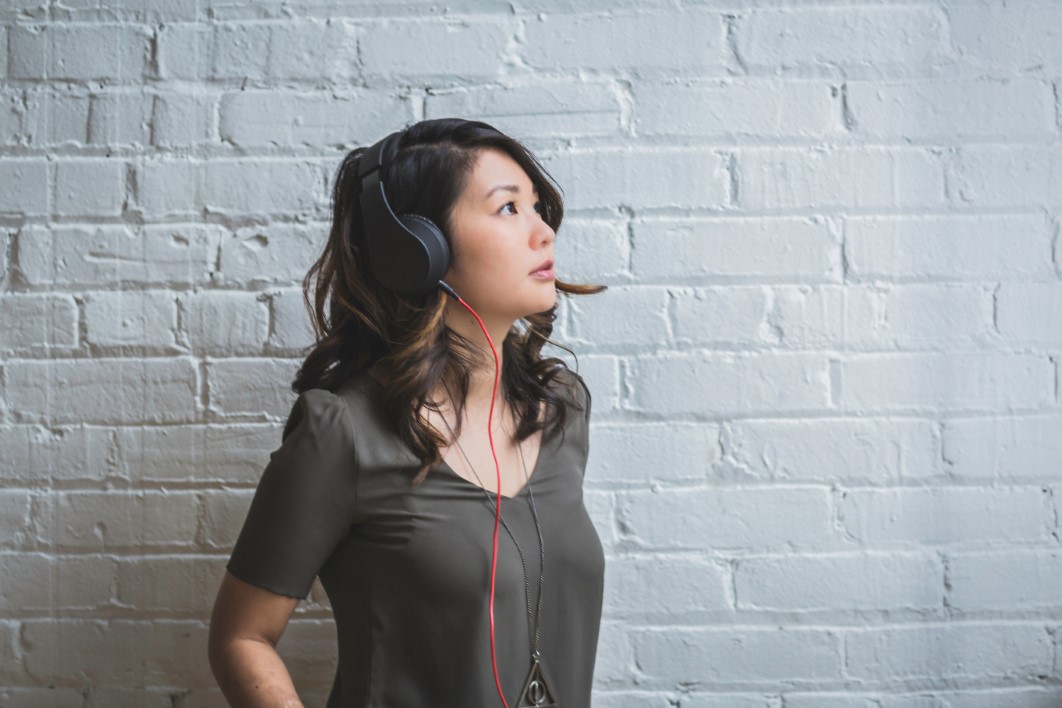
(435, 245)
(412, 258)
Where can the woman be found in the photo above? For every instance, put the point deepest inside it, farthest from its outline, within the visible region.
(385, 483)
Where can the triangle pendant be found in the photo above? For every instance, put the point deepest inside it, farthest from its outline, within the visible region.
(537, 693)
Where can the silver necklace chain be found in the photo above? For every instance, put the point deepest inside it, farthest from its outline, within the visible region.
(542, 549)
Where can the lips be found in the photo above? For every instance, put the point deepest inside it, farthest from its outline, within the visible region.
(545, 265)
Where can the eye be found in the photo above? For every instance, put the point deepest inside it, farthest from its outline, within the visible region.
(538, 206)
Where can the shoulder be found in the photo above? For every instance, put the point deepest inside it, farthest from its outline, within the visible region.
(576, 392)
(318, 412)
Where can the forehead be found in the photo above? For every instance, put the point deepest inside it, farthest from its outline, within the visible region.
(495, 167)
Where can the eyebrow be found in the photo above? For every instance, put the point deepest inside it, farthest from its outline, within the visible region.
(509, 188)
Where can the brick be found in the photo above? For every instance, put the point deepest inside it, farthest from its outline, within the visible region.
(79, 52)
(840, 582)
(131, 318)
(838, 178)
(1017, 41)
(312, 50)
(6, 239)
(33, 453)
(185, 50)
(737, 655)
(89, 187)
(275, 253)
(667, 588)
(737, 109)
(729, 250)
(1030, 312)
(615, 660)
(600, 505)
(918, 316)
(240, 50)
(45, 322)
(1002, 176)
(722, 383)
(982, 247)
(289, 118)
(291, 320)
(57, 649)
(25, 187)
(43, 697)
(139, 11)
(945, 515)
(1008, 448)
(602, 376)
(225, 322)
(180, 584)
(828, 449)
(16, 518)
(470, 48)
(855, 40)
(943, 382)
(117, 519)
(121, 118)
(716, 699)
(1018, 579)
(723, 316)
(847, 699)
(251, 386)
(103, 390)
(631, 316)
(807, 316)
(547, 108)
(223, 515)
(39, 583)
(185, 119)
(226, 454)
(57, 115)
(1005, 109)
(643, 452)
(735, 519)
(253, 186)
(696, 41)
(1002, 698)
(12, 112)
(163, 254)
(302, 49)
(647, 699)
(591, 250)
(948, 651)
(641, 178)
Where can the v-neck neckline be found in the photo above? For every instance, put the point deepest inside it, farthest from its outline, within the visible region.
(542, 450)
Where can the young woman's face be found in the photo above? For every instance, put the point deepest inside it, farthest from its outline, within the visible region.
(498, 240)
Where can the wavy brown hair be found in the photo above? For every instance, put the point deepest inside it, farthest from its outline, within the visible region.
(402, 340)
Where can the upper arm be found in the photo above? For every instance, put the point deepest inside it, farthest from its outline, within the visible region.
(304, 504)
(245, 611)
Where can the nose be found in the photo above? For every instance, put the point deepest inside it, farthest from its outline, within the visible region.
(544, 232)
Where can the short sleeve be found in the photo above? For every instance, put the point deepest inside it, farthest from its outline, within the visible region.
(582, 392)
(304, 503)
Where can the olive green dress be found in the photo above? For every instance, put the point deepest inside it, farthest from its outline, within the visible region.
(407, 569)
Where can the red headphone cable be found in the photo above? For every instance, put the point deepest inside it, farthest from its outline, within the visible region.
(497, 468)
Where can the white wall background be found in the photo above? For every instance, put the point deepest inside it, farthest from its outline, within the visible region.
(827, 442)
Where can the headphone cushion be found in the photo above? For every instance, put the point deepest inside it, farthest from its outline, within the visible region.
(434, 243)
(422, 226)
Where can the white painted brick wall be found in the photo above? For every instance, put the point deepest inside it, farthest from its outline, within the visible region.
(827, 444)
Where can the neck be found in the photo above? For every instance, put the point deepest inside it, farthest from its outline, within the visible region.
(480, 387)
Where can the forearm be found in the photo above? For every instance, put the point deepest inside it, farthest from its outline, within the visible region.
(251, 674)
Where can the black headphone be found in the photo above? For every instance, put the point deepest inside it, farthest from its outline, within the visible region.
(409, 253)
